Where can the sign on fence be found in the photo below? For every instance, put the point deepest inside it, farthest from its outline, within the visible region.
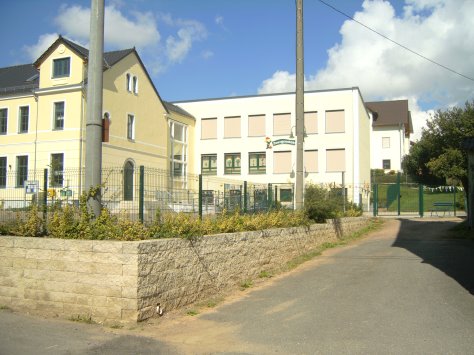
(31, 187)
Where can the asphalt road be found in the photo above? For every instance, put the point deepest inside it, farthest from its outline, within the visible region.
(406, 289)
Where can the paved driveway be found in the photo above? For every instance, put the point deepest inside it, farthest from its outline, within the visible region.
(406, 289)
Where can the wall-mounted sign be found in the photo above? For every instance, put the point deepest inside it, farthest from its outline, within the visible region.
(271, 143)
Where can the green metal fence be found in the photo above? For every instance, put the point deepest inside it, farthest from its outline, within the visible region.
(416, 199)
(139, 194)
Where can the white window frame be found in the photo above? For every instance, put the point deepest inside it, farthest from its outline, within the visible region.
(19, 119)
(62, 76)
(6, 121)
(131, 132)
(54, 115)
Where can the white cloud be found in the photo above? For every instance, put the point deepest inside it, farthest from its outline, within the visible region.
(219, 20)
(178, 47)
(119, 31)
(36, 50)
(441, 30)
(207, 54)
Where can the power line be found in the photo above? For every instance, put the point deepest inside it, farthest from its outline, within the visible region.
(395, 42)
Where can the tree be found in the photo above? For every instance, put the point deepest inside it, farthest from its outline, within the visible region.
(438, 155)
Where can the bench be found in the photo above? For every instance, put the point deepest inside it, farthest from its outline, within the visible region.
(441, 207)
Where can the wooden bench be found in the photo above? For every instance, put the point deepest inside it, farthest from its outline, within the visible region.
(441, 207)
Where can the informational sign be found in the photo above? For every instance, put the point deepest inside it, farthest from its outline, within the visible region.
(271, 143)
(32, 187)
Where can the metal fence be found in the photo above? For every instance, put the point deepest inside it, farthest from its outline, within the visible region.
(139, 194)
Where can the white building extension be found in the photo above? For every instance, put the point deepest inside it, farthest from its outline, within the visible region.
(391, 131)
(250, 138)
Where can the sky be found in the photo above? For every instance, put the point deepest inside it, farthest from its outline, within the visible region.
(197, 49)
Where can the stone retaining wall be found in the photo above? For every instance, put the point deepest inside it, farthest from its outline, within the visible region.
(113, 281)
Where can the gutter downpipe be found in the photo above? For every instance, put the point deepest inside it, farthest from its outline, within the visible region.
(36, 130)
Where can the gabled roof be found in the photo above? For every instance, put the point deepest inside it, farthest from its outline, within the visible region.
(110, 58)
(24, 78)
(391, 113)
(173, 108)
(19, 78)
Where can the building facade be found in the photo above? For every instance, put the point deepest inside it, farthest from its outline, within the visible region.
(42, 120)
(252, 138)
(390, 137)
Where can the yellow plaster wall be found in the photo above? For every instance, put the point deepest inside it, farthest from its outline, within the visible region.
(149, 147)
(77, 68)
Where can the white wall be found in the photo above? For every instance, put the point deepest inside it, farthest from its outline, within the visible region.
(269, 105)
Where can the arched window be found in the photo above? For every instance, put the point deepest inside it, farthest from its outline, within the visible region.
(105, 127)
(128, 170)
(135, 85)
(128, 82)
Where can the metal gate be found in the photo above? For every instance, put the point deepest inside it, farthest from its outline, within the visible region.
(400, 199)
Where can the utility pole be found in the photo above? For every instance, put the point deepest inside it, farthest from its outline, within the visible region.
(93, 161)
(299, 189)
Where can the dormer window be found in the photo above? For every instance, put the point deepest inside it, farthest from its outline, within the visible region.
(61, 67)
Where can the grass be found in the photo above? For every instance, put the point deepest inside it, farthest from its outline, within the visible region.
(4, 308)
(409, 199)
(81, 318)
(192, 312)
(264, 275)
(246, 284)
(373, 225)
(462, 231)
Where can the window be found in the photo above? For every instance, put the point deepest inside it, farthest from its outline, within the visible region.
(335, 160)
(61, 67)
(3, 172)
(128, 171)
(3, 120)
(311, 122)
(257, 126)
(209, 164)
(386, 164)
(24, 119)
(58, 123)
(135, 85)
(209, 128)
(232, 127)
(105, 127)
(57, 170)
(311, 161)
(128, 82)
(179, 148)
(232, 163)
(385, 142)
(21, 170)
(281, 124)
(257, 163)
(282, 162)
(335, 121)
(131, 127)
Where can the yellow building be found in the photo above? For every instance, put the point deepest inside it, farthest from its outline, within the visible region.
(42, 121)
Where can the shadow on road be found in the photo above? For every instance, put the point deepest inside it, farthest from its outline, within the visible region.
(436, 245)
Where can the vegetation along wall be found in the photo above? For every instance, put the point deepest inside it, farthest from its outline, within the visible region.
(113, 281)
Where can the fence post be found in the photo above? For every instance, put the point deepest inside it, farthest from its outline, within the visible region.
(45, 200)
(454, 201)
(200, 196)
(376, 200)
(269, 196)
(421, 206)
(398, 194)
(141, 197)
(276, 195)
(245, 196)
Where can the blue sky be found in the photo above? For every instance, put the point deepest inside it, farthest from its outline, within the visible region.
(215, 48)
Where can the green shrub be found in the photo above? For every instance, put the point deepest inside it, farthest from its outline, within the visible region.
(319, 205)
(33, 226)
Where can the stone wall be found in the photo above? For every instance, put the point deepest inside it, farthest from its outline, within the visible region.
(114, 281)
